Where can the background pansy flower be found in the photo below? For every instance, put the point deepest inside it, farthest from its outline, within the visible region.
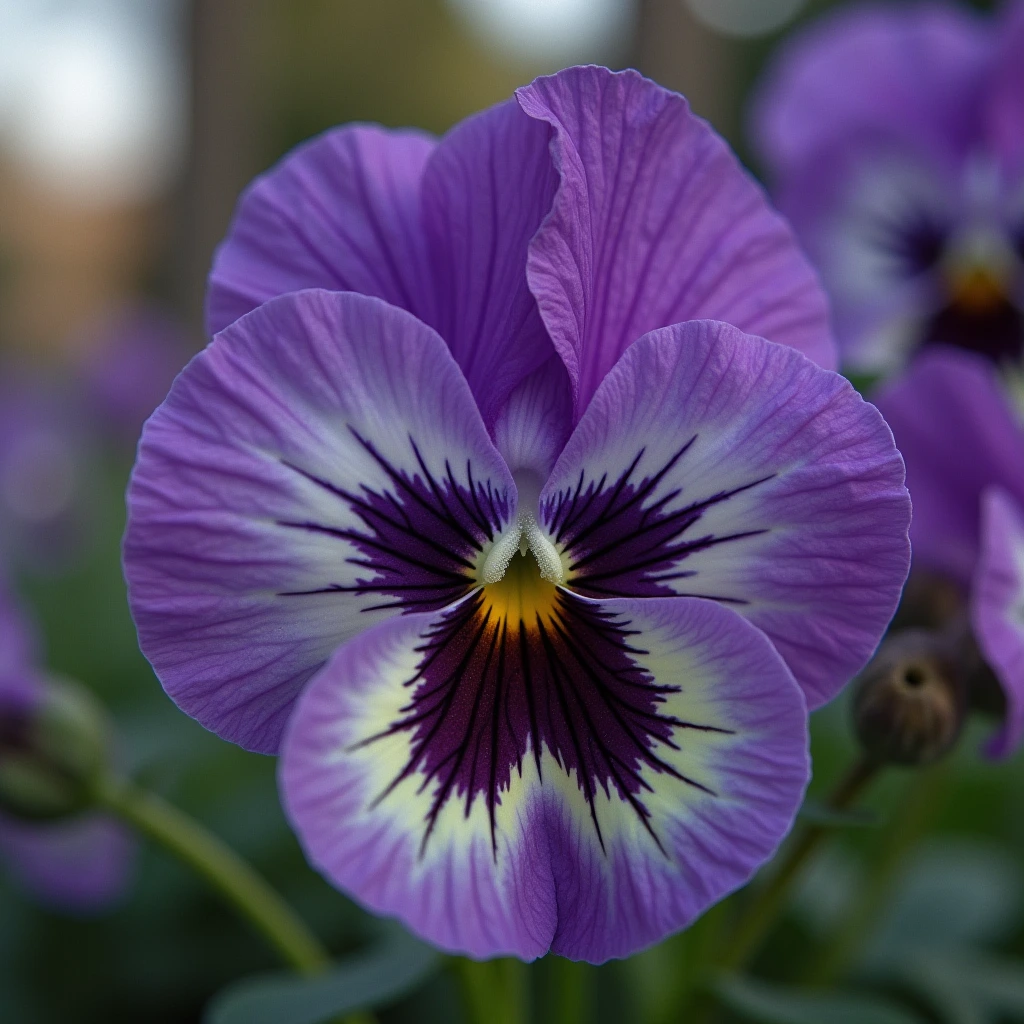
(964, 450)
(76, 864)
(892, 136)
(555, 560)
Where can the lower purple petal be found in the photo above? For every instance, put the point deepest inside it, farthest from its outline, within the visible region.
(585, 780)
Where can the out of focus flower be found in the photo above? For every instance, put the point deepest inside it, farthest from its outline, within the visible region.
(542, 566)
(893, 136)
(963, 444)
(129, 369)
(46, 496)
(52, 742)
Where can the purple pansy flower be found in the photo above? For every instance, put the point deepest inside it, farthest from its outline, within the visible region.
(477, 510)
(79, 864)
(129, 367)
(893, 135)
(963, 443)
(46, 501)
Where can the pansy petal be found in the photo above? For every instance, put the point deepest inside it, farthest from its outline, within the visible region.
(319, 466)
(997, 609)
(536, 421)
(955, 428)
(1005, 112)
(587, 784)
(83, 865)
(908, 74)
(718, 465)
(486, 189)
(655, 222)
(341, 212)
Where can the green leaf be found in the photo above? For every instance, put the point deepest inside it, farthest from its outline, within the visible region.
(381, 975)
(952, 895)
(814, 813)
(965, 988)
(774, 1004)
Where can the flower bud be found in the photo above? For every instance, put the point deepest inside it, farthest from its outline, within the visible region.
(910, 701)
(53, 750)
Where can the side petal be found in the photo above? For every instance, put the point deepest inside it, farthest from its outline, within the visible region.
(955, 429)
(81, 866)
(997, 609)
(910, 75)
(486, 189)
(319, 466)
(1005, 112)
(655, 222)
(340, 212)
(714, 464)
(587, 784)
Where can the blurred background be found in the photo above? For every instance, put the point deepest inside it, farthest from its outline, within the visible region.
(127, 130)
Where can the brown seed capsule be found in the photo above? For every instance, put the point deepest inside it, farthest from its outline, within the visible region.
(910, 701)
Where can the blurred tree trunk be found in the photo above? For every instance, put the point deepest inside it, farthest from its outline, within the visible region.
(226, 134)
(675, 49)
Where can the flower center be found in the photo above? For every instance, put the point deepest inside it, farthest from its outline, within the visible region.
(522, 595)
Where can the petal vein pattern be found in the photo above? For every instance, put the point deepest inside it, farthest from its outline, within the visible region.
(712, 464)
(585, 780)
(289, 495)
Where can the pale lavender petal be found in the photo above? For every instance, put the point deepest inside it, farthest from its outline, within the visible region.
(320, 466)
(958, 436)
(714, 464)
(655, 222)
(80, 866)
(340, 212)
(486, 189)
(907, 75)
(589, 786)
(997, 609)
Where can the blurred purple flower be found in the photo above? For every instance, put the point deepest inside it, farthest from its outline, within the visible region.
(555, 590)
(46, 497)
(129, 370)
(893, 136)
(79, 864)
(963, 443)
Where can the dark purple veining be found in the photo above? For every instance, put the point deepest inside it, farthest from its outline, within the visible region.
(622, 541)
(489, 693)
(419, 538)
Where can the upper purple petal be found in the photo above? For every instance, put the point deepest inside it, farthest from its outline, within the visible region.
(342, 212)
(910, 75)
(319, 466)
(958, 436)
(997, 609)
(486, 189)
(655, 222)
(714, 464)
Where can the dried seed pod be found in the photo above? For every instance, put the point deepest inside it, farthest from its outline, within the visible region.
(910, 702)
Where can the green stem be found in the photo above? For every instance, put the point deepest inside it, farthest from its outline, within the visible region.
(757, 920)
(232, 877)
(918, 805)
(495, 991)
